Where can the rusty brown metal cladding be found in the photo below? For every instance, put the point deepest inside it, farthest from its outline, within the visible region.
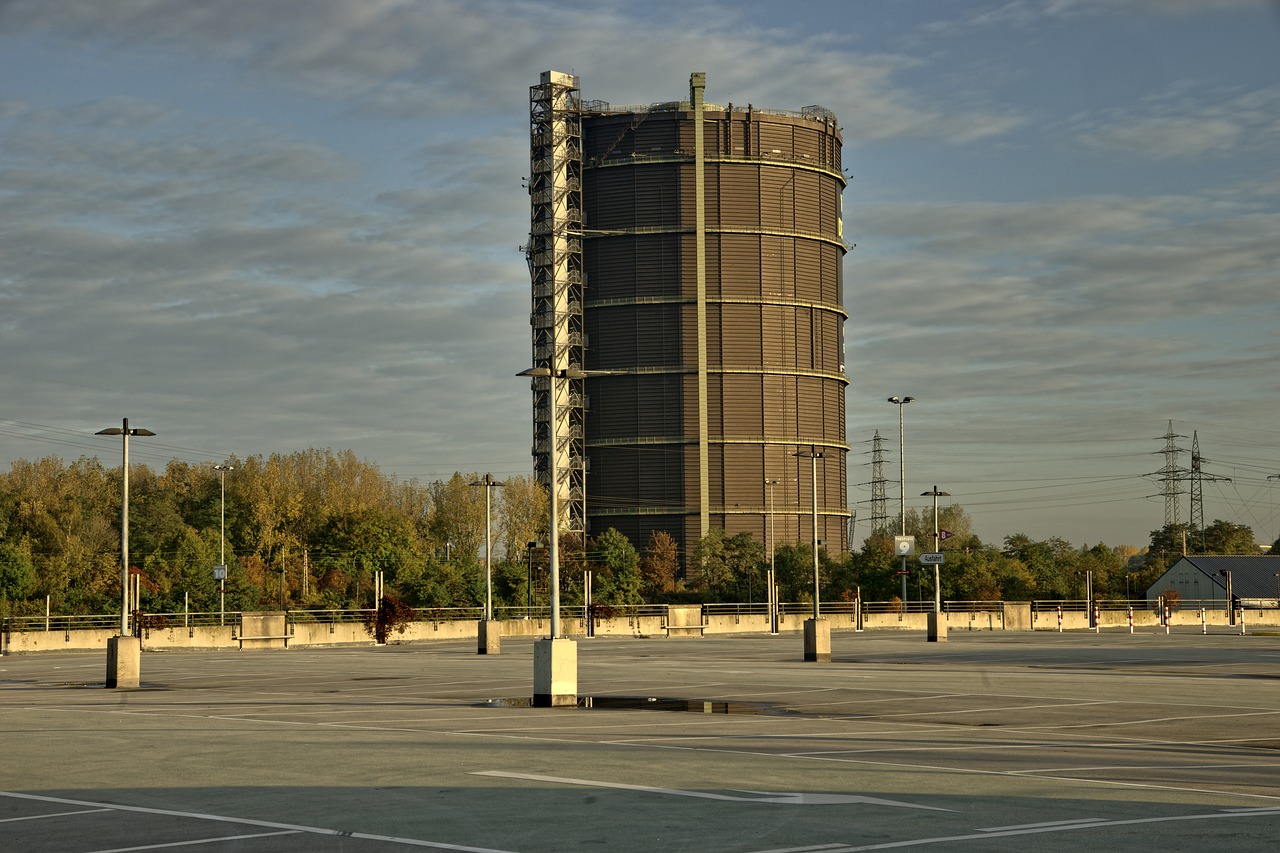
(775, 319)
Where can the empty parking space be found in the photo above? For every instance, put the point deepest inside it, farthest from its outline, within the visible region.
(1121, 740)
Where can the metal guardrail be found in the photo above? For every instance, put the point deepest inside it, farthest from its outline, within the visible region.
(160, 621)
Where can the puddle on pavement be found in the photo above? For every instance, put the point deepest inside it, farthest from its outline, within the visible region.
(654, 703)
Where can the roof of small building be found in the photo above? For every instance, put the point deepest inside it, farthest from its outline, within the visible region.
(1251, 577)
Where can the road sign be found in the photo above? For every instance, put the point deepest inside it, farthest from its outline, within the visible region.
(904, 546)
(901, 572)
(219, 573)
(931, 559)
(945, 534)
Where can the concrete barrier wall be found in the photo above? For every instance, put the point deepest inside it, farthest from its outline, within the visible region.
(274, 631)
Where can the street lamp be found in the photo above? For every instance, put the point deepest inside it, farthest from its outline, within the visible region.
(902, 482)
(124, 653)
(937, 587)
(553, 546)
(817, 632)
(555, 660)
(773, 557)
(222, 554)
(488, 631)
(124, 431)
(528, 584)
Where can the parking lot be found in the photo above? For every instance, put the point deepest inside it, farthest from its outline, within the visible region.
(988, 742)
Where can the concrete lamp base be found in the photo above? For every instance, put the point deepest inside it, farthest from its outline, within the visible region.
(937, 628)
(555, 673)
(124, 661)
(489, 637)
(817, 640)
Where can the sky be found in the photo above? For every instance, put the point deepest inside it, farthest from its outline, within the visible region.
(261, 227)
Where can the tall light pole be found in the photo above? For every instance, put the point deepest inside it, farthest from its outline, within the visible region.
(817, 632)
(773, 567)
(222, 553)
(902, 482)
(488, 631)
(124, 431)
(124, 653)
(937, 579)
(813, 454)
(555, 660)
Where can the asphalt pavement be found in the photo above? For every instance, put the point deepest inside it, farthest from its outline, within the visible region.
(987, 742)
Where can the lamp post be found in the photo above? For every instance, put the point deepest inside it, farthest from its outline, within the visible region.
(124, 652)
(902, 482)
(125, 432)
(937, 577)
(528, 583)
(555, 660)
(222, 552)
(489, 633)
(817, 632)
(773, 567)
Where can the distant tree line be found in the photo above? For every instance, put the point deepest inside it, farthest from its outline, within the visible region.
(312, 529)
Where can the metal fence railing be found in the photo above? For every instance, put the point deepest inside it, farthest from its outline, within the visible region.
(1040, 609)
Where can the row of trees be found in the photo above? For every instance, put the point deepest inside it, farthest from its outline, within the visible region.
(311, 529)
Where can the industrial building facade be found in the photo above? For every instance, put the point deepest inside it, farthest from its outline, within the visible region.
(686, 262)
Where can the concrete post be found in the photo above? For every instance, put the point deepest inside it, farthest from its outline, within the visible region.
(817, 640)
(124, 661)
(489, 637)
(555, 673)
(937, 627)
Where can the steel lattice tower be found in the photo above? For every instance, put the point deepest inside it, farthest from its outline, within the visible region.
(879, 504)
(554, 253)
(1171, 476)
(1197, 491)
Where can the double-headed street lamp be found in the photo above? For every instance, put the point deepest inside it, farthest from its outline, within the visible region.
(813, 454)
(489, 485)
(222, 552)
(937, 546)
(902, 482)
(124, 431)
(817, 631)
(773, 567)
(488, 630)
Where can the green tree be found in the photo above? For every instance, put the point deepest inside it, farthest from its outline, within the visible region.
(17, 573)
(617, 578)
(1224, 537)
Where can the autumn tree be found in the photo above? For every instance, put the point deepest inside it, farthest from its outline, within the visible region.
(660, 564)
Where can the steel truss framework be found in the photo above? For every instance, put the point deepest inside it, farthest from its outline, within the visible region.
(554, 253)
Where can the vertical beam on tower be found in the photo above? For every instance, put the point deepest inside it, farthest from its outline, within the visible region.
(554, 253)
(697, 85)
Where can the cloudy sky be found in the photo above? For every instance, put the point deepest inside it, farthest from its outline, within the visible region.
(258, 227)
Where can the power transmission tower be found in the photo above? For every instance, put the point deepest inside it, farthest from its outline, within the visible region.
(879, 506)
(1197, 493)
(1171, 476)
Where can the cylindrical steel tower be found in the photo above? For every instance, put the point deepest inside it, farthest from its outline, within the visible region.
(712, 260)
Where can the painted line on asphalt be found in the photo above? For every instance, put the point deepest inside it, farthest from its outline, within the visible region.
(1070, 827)
(52, 814)
(266, 824)
(763, 797)
(213, 840)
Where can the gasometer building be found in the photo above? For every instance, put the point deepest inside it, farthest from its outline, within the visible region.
(688, 312)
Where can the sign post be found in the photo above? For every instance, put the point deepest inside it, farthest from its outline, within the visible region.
(220, 575)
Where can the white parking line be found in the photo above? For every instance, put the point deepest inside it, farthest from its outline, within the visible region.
(213, 840)
(52, 814)
(267, 824)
